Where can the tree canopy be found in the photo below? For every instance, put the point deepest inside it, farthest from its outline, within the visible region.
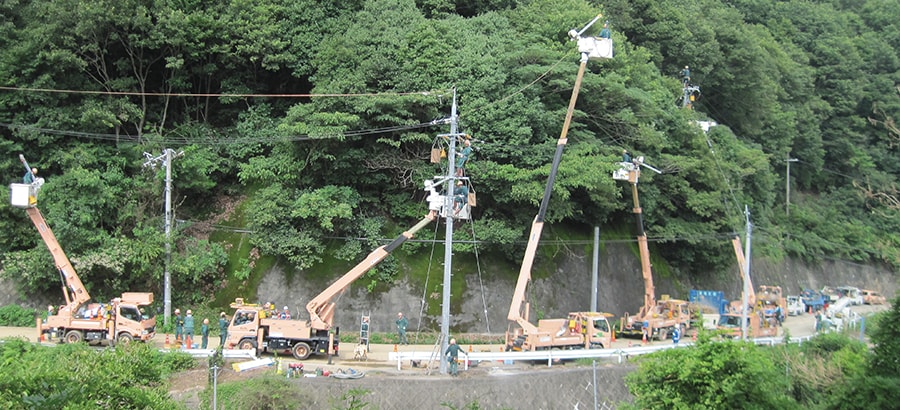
(323, 115)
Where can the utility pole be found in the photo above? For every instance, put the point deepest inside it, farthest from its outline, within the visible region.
(595, 269)
(448, 238)
(746, 269)
(166, 158)
(787, 186)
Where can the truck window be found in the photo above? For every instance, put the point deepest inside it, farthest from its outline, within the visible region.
(601, 325)
(130, 313)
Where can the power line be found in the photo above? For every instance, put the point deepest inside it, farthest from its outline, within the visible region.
(224, 95)
(216, 141)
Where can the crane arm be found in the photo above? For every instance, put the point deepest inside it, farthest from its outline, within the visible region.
(646, 269)
(739, 253)
(79, 294)
(321, 308)
(516, 313)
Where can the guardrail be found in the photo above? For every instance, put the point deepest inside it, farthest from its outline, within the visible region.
(551, 356)
(226, 353)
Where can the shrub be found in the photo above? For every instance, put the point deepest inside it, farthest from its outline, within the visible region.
(15, 315)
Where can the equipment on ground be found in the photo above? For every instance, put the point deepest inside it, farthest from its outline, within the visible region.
(122, 319)
(580, 329)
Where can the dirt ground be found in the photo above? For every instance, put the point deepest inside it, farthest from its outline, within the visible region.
(491, 385)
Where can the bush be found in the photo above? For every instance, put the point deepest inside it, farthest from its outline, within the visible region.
(268, 392)
(76, 376)
(15, 315)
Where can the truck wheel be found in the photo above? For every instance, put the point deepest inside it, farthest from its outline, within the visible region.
(74, 336)
(662, 334)
(124, 339)
(301, 351)
(247, 344)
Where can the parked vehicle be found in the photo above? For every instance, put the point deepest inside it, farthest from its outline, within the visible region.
(871, 297)
(854, 294)
(122, 319)
(813, 300)
(757, 326)
(795, 305)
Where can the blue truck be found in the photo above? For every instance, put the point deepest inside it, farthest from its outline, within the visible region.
(713, 299)
(813, 300)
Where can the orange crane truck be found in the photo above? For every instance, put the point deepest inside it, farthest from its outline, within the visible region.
(252, 328)
(119, 320)
(580, 329)
(655, 319)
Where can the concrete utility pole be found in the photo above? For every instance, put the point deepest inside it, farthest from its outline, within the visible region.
(787, 187)
(746, 269)
(448, 238)
(595, 269)
(166, 157)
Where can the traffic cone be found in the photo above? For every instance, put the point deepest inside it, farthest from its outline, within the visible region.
(395, 348)
(167, 345)
(613, 336)
(470, 348)
(644, 338)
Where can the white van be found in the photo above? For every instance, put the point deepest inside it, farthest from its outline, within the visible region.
(854, 294)
(795, 305)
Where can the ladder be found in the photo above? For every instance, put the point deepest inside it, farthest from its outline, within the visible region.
(364, 331)
(435, 353)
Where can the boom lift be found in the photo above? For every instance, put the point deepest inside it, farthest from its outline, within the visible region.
(119, 320)
(655, 319)
(580, 329)
(760, 319)
(250, 329)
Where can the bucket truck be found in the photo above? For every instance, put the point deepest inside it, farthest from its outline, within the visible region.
(655, 318)
(119, 320)
(251, 328)
(760, 321)
(579, 329)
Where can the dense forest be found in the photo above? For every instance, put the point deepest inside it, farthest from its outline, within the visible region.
(312, 122)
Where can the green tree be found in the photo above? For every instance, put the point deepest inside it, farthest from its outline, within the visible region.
(708, 375)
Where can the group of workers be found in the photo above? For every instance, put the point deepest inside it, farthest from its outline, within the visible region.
(269, 311)
(184, 329)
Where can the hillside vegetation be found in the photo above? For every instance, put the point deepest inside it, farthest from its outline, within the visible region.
(306, 129)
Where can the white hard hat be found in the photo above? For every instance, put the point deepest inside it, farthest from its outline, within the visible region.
(285, 308)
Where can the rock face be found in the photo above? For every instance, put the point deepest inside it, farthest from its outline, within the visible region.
(484, 305)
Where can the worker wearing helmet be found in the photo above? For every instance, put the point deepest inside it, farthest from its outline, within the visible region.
(223, 328)
(285, 314)
(179, 325)
(204, 334)
(189, 329)
(452, 354)
(30, 176)
(402, 324)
